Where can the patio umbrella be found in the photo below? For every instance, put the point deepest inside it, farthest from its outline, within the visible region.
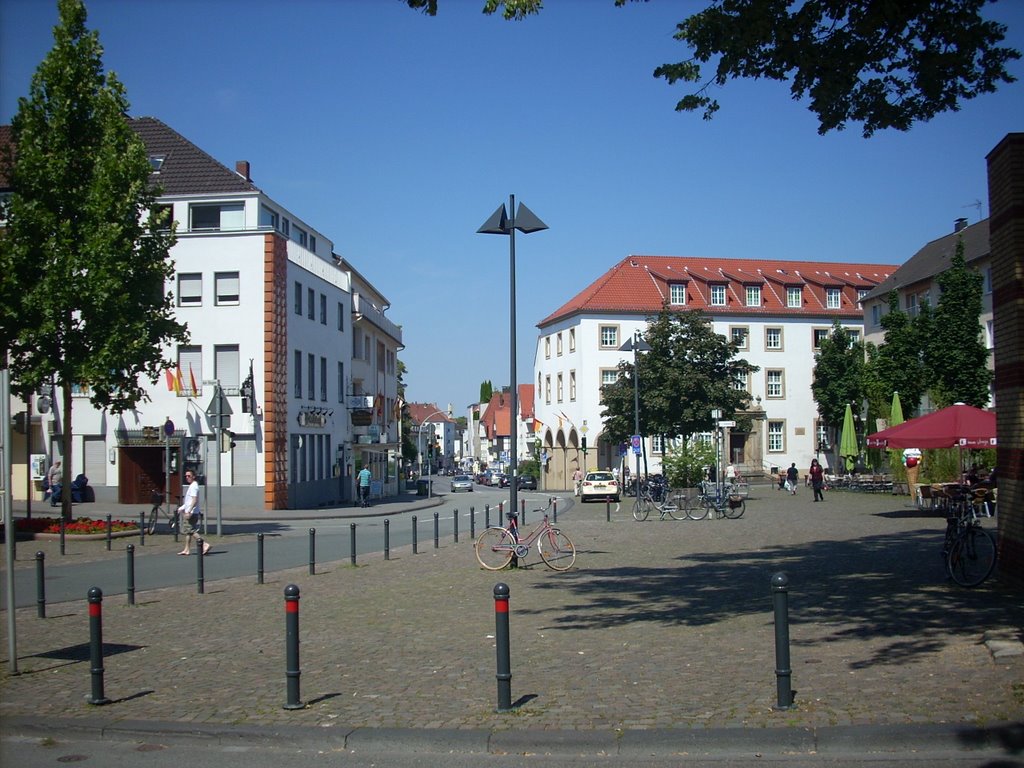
(958, 425)
(896, 411)
(848, 441)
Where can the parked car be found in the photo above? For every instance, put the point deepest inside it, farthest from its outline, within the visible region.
(499, 480)
(481, 478)
(527, 483)
(599, 485)
(462, 483)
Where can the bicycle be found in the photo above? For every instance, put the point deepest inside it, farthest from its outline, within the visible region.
(496, 546)
(657, 494)
(730, 505)
(969, 551)
(158, 508)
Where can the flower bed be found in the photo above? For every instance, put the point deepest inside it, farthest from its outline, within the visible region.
(82, 526)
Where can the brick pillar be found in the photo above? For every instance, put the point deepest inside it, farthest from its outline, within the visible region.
(1006, 228)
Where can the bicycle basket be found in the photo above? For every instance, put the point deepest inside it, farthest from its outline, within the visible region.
(735, 500)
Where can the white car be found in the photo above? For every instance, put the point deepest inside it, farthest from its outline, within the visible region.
(462, 483)
(599, 485)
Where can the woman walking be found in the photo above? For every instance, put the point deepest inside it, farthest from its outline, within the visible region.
(817, 479)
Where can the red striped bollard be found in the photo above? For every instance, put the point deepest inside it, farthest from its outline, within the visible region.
(96, 646)
(291, 634)
(504, 674)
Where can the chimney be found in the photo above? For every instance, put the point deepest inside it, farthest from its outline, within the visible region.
(959, 224)
(242, 169)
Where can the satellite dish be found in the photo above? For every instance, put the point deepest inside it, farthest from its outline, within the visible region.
(43, 404)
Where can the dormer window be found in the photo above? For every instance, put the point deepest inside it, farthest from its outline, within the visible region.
(794, 297)
(753, 295)
(833, 298)
(677, 294)
(156, 162)
(718, 295)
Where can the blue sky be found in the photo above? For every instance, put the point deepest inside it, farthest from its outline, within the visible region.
(397, 135)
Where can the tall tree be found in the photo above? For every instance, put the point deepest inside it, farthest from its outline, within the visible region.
(689, 370)
(883, 63)
(955, 352)
(85, 259)
(838, 375)
(486, 391)
(897, 364)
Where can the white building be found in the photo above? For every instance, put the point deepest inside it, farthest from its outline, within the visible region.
(264, 295)
(780, 310)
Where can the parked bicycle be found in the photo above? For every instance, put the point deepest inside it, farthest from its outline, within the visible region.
(969, 551)
(496, 546)
(157, 511)
(657, 495)
(708, 501)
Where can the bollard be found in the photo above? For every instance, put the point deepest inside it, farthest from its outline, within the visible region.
(522, 510)
(96, 646)
(142, 529)
(783, 672)
(387, 539)
(259, 558)
(436, 532)
(607, 511)
(110, 531)
(130, 589)
(62, 537)
(200, 580)
(312, 551)
(352, 542)
(455, 523)
(504, 673)
(487, 515)
(501, 513)
(414, 534)
(472, 523)
(40, 586)
(554, 511)
(291, 635)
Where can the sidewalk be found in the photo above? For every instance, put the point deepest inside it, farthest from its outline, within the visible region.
(661, 626)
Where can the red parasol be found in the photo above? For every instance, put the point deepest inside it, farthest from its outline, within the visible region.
(958, 425)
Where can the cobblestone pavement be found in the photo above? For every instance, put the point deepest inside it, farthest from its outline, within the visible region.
(661, 624)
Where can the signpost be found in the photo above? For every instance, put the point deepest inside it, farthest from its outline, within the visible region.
(219, 411)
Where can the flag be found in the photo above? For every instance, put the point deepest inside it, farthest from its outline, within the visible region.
(170, 379)
(399, 404)
(192, 380)
(379, 404)
(538, 425)
(178, 383)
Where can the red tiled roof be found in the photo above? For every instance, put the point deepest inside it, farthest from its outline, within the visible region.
(640, 285)
(420, 412)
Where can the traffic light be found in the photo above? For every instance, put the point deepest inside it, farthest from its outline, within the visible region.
(227, 440)
(247, 393)
(584, 439)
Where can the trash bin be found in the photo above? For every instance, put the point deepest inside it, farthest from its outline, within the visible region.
(422, 487)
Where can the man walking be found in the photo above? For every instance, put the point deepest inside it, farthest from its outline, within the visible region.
(364, 477)
(190, 515)
(792, 477)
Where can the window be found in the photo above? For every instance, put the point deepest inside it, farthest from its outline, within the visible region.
(718, 295)
(572, 339)
(776, 436)
(740, 336)
(773, 338)
(876, 314)
(657, 444)
(268, 218)
(911, 300)
(323, 309)
(190, 289)
(298, 298)
(366, 347)
(819, 335)
(861, 293)
(356, 343)
(156, 162)
(310, 309)
(226, 286)
(986, 280)
(547, 389)
(794, 296)
(341, 382)
(312, 243)
(341, 316)
(572, 385)
(610, 336)
(311, 370)
(677, 293)
(773, 383)
(742, 381)
(558, 387)
(323, 379)
(298, 373)
(225, 367)
(381, 357)
(190, 368)
(833, 298)
(547, 347)
(821, 435)
(753, 295)
(216, 217)
(162, 216)
(558, 344)
(854, 335)
(299, 235)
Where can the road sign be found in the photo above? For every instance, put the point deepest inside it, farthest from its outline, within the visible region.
(219, 407)
(635, 439)
(727, 423)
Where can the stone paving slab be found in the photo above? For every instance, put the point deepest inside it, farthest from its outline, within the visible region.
(661, 625)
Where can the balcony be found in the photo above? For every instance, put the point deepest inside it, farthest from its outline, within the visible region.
(363, 309)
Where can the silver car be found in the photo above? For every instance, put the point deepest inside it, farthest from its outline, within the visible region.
(462, 483)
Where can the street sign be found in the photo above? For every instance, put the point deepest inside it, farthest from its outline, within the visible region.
(635, 439)
(219, 407)
(727, 423)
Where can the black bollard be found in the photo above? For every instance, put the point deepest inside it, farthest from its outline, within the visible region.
(783, 672)
(312, 551)
(96, 646)
(554, 511)
(487, 515)
(62, 536)
(607, 511)
(40, 585)
(110, 531)
(200, 579)
(415, 534)
(522, 510)
(352, 542)
(291, 635)
(472, 523)
(437, 532)
(387, 539)
(142, 529)
(259, 558)
(130, 587)
(455, 522)
(501, 639)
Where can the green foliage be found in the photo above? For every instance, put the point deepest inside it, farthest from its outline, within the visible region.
(838, 375)
(529, 467)
(954, 351)
(897, 365)
(940, 465)
(689, 370)
(683, 463)
(486, 391)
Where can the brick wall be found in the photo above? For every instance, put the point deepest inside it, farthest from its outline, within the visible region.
(1006, 223)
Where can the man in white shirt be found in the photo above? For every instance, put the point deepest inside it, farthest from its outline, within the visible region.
(190, 515)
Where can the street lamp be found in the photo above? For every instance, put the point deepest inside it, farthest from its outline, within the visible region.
(500, 224)
(636, 344)
(419, 440)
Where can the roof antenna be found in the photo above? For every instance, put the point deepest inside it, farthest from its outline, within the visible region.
(975, 204)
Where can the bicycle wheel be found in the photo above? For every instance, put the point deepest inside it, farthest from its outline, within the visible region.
(678, 506)
(556, 550)
(972, 557)
(154, 517)
(698, 508)
(641, 508)
(734, 512)
(494, 548)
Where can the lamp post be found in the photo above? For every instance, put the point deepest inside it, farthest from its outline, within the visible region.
(636, 344)
(419, 441)
(716, 414)
(500, 224)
